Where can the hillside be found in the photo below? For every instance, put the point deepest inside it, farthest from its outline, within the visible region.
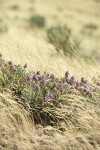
(49, 75)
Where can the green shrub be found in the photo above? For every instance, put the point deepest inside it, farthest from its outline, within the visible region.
(60, 36)
(98, 1)
(42, 94)
(89, 28)
(14, 7)
(36, 21)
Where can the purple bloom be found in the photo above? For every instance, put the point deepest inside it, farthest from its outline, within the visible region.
(85, 81)
(37, 88)
(71, 80)
(54, 85)
(77, 83)
(82, 80)
(63, 91)
(37, 76)
(76, 87)
(84, 90)
(98, 84)
(52, 76)
(86, 86)
(38, 73)
(14, 68)
(42, 80)
(50, 95)
(46, 74)
(27, 77)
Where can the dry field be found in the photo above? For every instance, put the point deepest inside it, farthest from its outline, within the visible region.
(22, 44)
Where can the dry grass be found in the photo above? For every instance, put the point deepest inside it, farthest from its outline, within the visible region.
(40, 55)
(82, 129)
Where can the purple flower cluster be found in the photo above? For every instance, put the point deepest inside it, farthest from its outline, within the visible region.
(45, 87)
(44, 90)
(79, 87)
(27, 77)
(96, 82)
(37, 76)
(13, 68)
(49, 96)
(36, 88)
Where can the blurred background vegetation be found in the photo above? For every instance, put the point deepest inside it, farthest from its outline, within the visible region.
(56, 29)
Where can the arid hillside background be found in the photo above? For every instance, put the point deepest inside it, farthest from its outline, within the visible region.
(25, 42)
(50, 74)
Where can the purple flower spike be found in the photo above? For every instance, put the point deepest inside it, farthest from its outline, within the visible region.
(82, 80)
(63, 91)
(50, 95)
(42, 80)
(38, 73)
(27, 77)
(37, 88)
(77, 83)
(47, 74)
(37, 76)
(52, 76)
(86, 86)
(98, 84)
(14, 68)
(71, 80)
(66, 73)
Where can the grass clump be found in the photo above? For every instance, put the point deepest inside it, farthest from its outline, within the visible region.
(36, 21)
(60, 37)
(3, 26)
(42, 94)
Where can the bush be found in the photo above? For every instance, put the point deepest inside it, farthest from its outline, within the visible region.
(3, 26)
(42, 93)
(36, 21)
(60, 36)
(14, 7)
(89, 28)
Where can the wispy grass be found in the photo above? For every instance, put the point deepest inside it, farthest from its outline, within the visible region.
(61, 111)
